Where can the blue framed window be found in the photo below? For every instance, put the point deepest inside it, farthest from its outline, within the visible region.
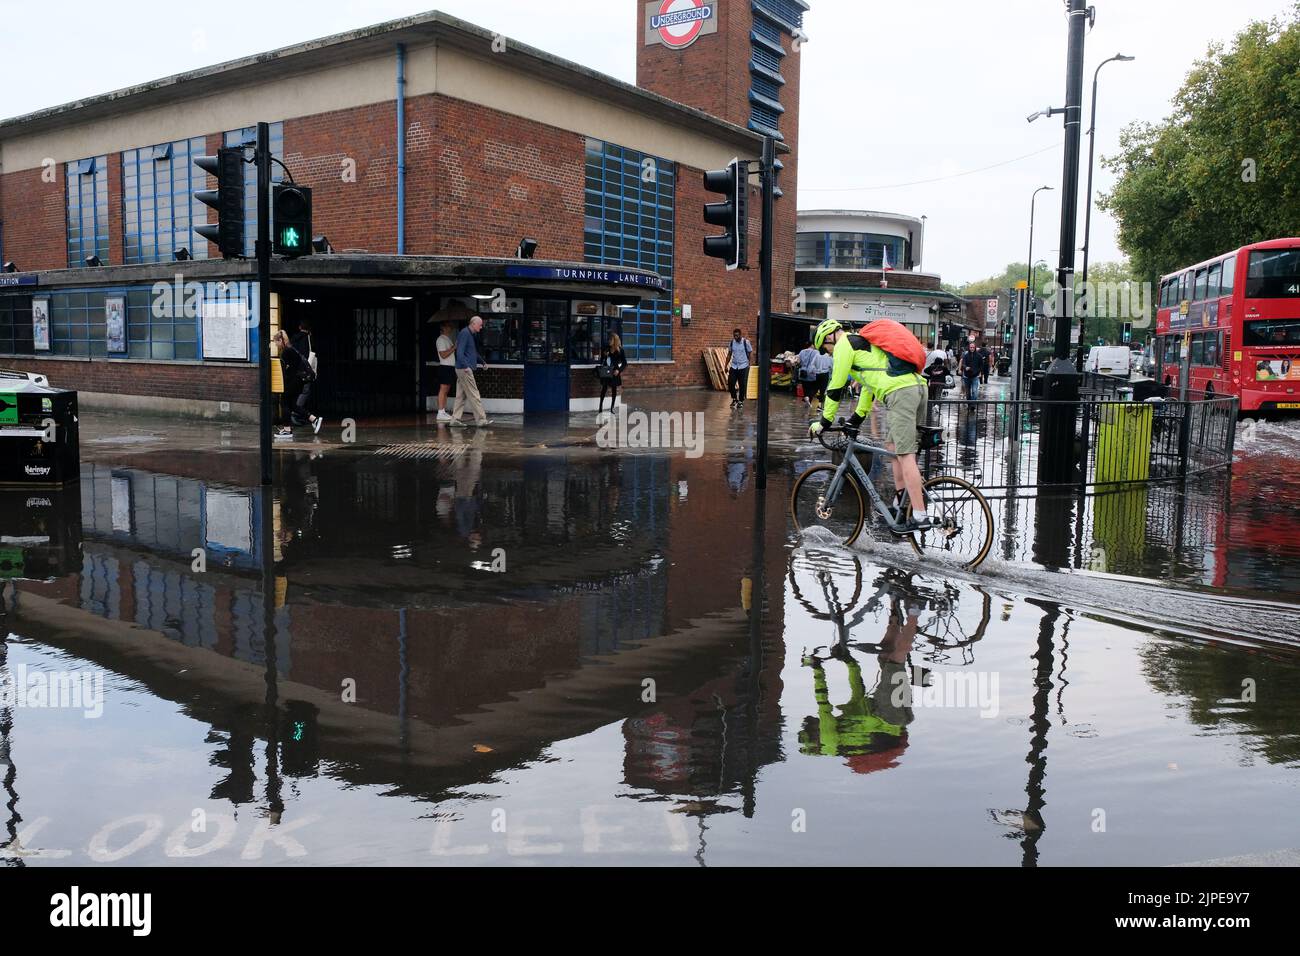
(848, 250)
(77, 325)
(630, 221)
(87, 192)
(159, 210)
(248, 134)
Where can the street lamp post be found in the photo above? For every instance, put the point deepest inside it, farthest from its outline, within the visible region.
(1087, 222)
(1019, 350)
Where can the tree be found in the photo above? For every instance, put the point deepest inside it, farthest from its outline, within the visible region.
(1223, 169)
(1014, 273)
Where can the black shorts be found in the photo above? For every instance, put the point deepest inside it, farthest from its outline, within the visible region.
(446, 375)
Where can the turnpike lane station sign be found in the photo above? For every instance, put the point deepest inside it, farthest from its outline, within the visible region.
(677, 24)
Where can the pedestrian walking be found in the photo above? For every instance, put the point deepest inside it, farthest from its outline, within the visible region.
(446, 347)
(610, 371)
(298, 377)
(739, 357)
(824, 363)
(467, 361)
(986, 357)
(808, 373)
(970, 372)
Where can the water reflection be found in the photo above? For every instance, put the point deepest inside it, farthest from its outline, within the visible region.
(373, 575)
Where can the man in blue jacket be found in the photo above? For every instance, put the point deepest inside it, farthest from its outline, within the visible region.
(467, 360)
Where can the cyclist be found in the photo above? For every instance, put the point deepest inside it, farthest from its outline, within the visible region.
(897, 386)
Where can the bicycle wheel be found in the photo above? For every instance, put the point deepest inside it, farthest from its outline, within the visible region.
(966, 522)
(845, 516)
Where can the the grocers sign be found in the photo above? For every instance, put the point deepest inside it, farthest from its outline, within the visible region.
(677, 24)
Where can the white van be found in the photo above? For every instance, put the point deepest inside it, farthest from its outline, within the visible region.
(1109, 360)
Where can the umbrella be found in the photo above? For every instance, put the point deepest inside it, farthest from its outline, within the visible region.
(454, 312)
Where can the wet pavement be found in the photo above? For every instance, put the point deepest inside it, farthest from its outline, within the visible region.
(516, 646)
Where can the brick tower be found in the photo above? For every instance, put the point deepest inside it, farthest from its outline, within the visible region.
(738, 60)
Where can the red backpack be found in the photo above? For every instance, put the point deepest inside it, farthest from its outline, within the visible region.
(896, 339)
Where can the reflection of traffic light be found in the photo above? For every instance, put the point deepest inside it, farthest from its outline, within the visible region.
(1127, 334)
(291, 213)
(299, 739)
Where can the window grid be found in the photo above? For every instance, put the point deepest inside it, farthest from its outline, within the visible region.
(630, 222)
(16, 324)
(158, 204)
(77, 325)
(87, 207)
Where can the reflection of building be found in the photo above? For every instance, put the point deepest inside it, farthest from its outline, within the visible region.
(858, 266)
(421, 137)
(395, 591)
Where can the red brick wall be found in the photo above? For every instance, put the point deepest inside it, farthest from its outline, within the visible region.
(349, 159)
(212, 382)
(116, 241)
(34, 214)
(501, 178)
(712, 74)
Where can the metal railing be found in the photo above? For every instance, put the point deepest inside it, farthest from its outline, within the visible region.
(996, 444)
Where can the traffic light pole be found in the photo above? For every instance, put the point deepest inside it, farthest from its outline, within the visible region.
(768, 177)
(267, 417)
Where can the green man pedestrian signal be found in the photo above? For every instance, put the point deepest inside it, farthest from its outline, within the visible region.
(732, 213)
(227, 233)
(291, 213)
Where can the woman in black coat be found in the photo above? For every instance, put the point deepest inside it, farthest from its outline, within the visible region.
(610, 370)
(298, 379)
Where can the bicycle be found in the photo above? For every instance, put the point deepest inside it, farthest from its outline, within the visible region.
(835, 497)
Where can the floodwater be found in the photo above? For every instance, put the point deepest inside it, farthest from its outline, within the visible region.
(521, 648)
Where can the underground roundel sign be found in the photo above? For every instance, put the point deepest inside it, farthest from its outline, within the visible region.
(678, 23)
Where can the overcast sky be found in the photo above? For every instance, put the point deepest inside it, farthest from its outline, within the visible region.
(893, 93)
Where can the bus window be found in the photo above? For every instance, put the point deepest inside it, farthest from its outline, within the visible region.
(1213, 349)
(1198, 348)
(1185, 287)
(1273, 274)
(1216, 272)
(1172, 350)
(1271, 332)
(1229, 273)
(1199, 294)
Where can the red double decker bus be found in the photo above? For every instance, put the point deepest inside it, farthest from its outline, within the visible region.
(1238, 315)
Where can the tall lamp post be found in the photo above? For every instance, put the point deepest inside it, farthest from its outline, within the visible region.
(1087, 221)
(1029, 297)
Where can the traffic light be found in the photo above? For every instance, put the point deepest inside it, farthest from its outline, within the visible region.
(291, 214)
(1127, 335)
(227, 199)
(1031, 320)
(733, 246)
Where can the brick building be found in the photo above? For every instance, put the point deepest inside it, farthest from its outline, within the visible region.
(432, 147)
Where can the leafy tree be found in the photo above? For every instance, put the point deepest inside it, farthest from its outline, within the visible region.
(1223, 169)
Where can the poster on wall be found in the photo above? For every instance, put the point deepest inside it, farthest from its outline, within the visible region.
(225, 330)
(41, 325)
(115, 324)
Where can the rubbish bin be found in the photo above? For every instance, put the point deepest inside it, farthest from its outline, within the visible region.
(1124, 442)
(38, 431)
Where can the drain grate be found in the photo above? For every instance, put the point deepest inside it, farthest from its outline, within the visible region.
(423, 451)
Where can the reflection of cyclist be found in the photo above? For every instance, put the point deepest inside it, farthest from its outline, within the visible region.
(868, 731)
(898, 387)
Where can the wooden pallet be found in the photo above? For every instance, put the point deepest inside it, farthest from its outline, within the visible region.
(715, 361)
